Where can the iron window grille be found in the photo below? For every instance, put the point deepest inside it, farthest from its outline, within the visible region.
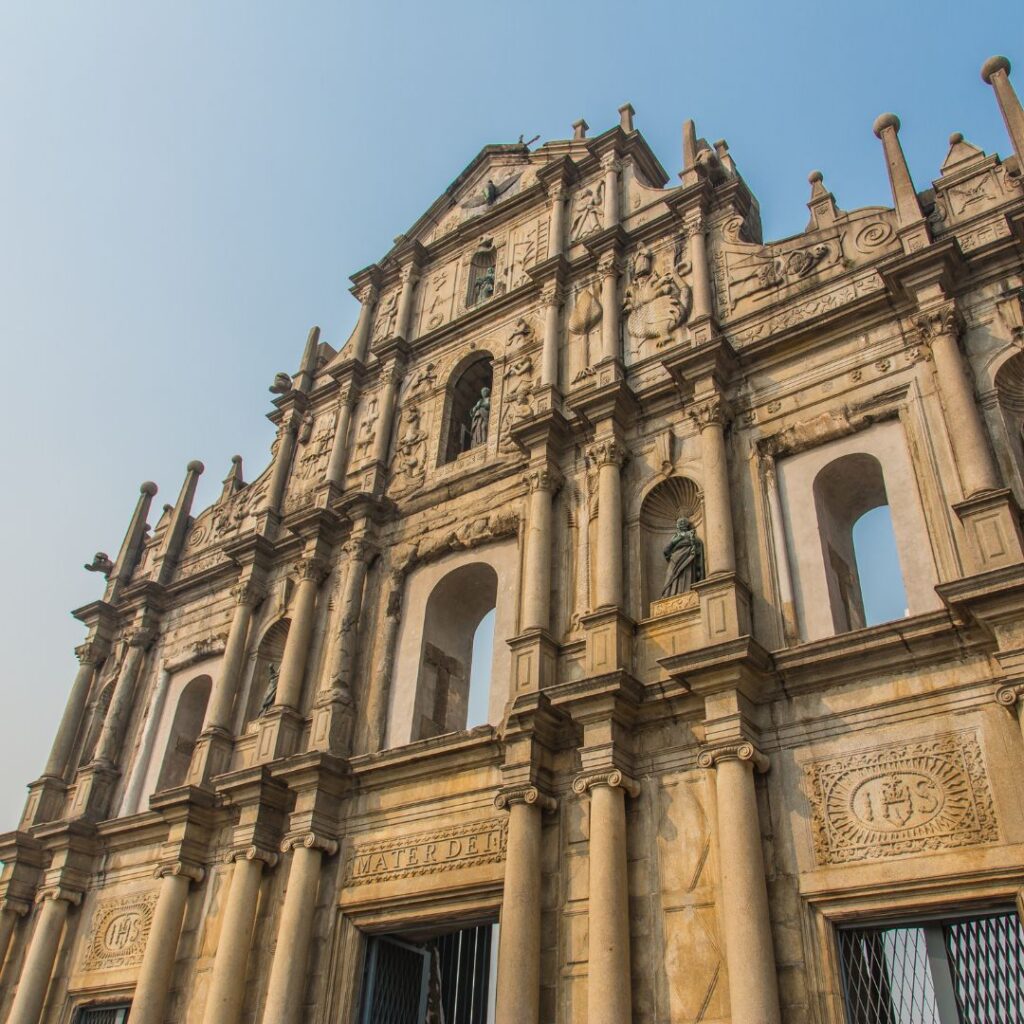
(967, 970)
(103, 1014)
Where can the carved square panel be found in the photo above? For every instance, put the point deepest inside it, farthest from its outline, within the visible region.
(120, 928)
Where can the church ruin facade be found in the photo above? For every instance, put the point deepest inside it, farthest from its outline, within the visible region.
(693, 778)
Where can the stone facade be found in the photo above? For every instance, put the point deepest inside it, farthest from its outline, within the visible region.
(682, 789)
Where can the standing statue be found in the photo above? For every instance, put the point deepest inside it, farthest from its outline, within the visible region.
(479, 416)
(685, 556)
(483, 289)
(271, 695)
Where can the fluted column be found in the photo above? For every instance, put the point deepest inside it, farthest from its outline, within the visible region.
(556, 236)
(609, 985)
(611, 166)
(753, 986)
(518, 988)
(311, 572)
(608, 269)
(695, 228)
(288, 973)
(608, 456)
(41, 954)
(408, 278)
(149, 1003)
(338, 461)
(247, 594)
(227, 983)
(390, 378)
(940, 328)
(996, 72)
(542, 482)
(108, 749)
(286, 434)
(709, 415)
(90, 654)
(550, 298)
(361, 336)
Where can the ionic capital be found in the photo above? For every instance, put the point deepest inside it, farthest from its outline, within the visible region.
(713, 412)
(267, 857)
(177, 869)
(1009, 695)
(543, 478)
(311, 841)
(614, 779)
(607, 452)
(529, 795)
(938, 321)
(15, 906)
(59, 892)
(710, 757)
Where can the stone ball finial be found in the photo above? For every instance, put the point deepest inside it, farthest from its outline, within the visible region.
(815, 177)
(884, 121)
(195, 466)
(956, 138)
(149, 488)
(992, 66)
(236, 459)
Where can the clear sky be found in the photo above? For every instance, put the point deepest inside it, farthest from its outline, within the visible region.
(185, 188)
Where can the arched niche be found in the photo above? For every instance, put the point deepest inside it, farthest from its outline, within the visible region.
(481, 283)
(1009, 382)
(662, 507)
(269, 654)
(467, 384)
(185, 727)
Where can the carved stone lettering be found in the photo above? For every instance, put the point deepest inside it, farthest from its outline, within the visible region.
(120, 929)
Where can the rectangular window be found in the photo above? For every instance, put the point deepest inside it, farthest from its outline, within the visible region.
(103, 1014)
(960, 971)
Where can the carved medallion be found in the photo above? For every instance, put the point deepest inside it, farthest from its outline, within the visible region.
(119, 932)
(901, 799)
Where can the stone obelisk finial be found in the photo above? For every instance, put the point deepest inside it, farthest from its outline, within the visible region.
(167, 559)
(996, 72)
(131, 546)
(689, 173)
(912, 230)
(304, 378)
(233, 481)
(822, 203)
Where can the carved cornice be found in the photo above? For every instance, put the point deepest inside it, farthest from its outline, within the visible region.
(613, 778)
(608, 451)
(938, 321)
(710, 757)
(529, 795)
(311, 841)
(178, 868)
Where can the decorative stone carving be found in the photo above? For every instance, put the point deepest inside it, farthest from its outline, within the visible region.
(530, 795)
(743, 750)
(410, 462)
(387, 317)
(101, 562)
(587, 211)
(423, 853)
(711, 412)
(491, 192)
(900, 799)
(422, 380)
(518, 376)
(940, 320)
(367, 428)
(607, 451)
(583, 321)
(654, 304)
(613, 778)
(120, 928)
(436, 543)
(438, 302)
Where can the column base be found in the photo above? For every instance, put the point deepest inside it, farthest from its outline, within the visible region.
(279, 732)
(333, 718)
(992, 522)
(45, 801)
(609, 633)
(212, 756)
(724, 607)
(534, 661)
(94, 786)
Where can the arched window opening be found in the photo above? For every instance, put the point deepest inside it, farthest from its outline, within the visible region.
(481, 275)
(470, 408)
(1009, 383)
(263, 688)
(845, 492)
(480, 671)
(185, 729)
(455, 609)
(672, 561)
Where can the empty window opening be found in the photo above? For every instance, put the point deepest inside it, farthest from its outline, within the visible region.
(185, 729)
(961, 971)
(862, 566)
(480, 671)
(103, 1014)
(445, 978)
(455, 612)
(470, 408)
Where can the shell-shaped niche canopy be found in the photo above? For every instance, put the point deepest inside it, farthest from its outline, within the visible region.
(1010, 383)
(677, 496)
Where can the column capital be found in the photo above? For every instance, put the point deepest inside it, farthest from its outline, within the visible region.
(936, 321)
(710, 757)
(543, 478)
(59, 892)
(15, 905)
(529, 795)
(611, 162)
(557, 190)
(368, 294)
(712, 412)
(607, 451)
(138, 636)
(311, 841)
(92, 652)
(609, 263)
(614, 779)
(1009, 695)
(693, 222)
(268, 857)
(360, 549)
(314, 568)
(552, 292)
(248, 592)
(178, 868)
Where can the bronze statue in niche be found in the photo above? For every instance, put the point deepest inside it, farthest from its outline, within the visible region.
(478, 418)
(684, 554)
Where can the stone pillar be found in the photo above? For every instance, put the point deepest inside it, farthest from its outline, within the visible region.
(913, 230)
(10, 912)
(609, 984)
(542, 482)
(611, 166)
(390, 378)
(149, 1003)
(288, 973)
(608, 268)
(996, 72)
(695, 228)
(778, 536)
(227, 983)
(144, 751)
(940, 328)
(556, 237)
(408, 279)
(41, 954)
(550, 298)
(753, 986)
(709, 415)
(380, 685)
(247, 594)
(608, 455)
(108, 749)
(338, 461)
(311, 572)
(361, 336)
(286, 434)
(90, 655)
(518, 988)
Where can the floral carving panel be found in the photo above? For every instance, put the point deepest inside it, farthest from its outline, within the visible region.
(901, 799)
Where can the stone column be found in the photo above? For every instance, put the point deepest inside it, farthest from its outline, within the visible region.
(227, 983)
(9, 914)
(753, 986)
(286, 434)
(361, 336)
(311, 572)
(247, 594)
(408, 279)
(608, 268)
(556, 239)
(288, 973)
(609, 984)
(609, 456)
(996, 72)
(611, 166)
(390, 378)
(144, 751)
(550, 298)
(1011, 696)
(776, 524)
(42, 954)
(108, 749)
(359, 552)
(542, 482)
(338, 462)
(518, 988)
(695, 228)
(149, 1003)
(940, 328)
(380, 685)
(90, 654)
(709, 415)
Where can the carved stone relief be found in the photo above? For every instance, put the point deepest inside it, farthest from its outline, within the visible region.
(656, 303)
(410, 462)
(367, 432)
(583, 322)
(587, 211)
(900, 799)
(518, 380)
(437, 301)
(120, 928)
(387, 316)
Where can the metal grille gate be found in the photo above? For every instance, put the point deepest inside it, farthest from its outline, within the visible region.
(966, 971)
(103, 1014)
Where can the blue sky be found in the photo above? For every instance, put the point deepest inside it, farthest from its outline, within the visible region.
(186, 188)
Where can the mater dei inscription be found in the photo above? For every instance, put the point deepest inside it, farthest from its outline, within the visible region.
(900, 799)
(119, 932)
(423, 853)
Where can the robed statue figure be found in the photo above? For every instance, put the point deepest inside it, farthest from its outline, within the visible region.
(479, 416)
(685, 556)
